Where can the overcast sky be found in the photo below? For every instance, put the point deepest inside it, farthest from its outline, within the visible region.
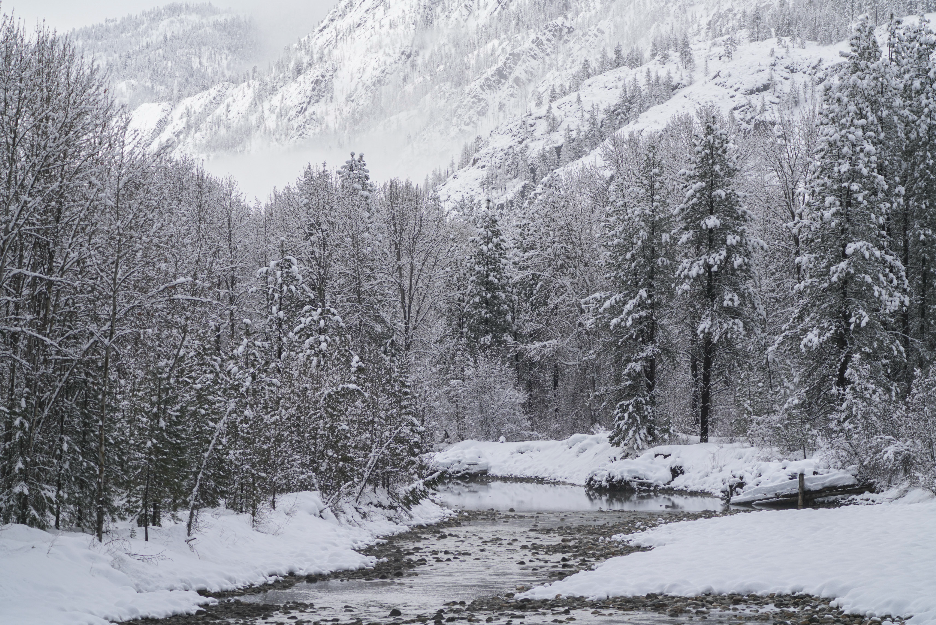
(283, 21)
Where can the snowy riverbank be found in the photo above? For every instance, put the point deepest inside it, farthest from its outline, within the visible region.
(876, 560)
(68, 578)
(591, 459)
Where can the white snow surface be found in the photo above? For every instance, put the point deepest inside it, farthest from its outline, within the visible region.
(876, 560)
(705, 467)
(68, 578)
(570, 460)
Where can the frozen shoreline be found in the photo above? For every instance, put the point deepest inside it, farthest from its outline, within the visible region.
(590, 459)
(872, 559)
(875, 560)
(68, 578)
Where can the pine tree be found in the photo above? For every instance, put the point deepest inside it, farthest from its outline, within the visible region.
(685, 53)
(715, 246)
(552, 123)
(912, 169)
(356, 269)
(729, 47)
(639, 271)
(489, 301)
(634, 58)
(851, 281)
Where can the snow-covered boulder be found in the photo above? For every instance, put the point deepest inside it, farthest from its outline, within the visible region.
(637, 474)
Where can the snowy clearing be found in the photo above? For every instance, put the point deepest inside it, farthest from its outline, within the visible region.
(875, 560)
(68, 578)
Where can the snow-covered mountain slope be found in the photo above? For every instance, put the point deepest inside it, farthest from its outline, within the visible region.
(419, 85)
(751, 85)
(171, 52)
(415, 79)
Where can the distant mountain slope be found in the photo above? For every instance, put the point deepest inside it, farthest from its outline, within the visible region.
(760, 77)
(416, 80)
(169, 53)
(421, 76)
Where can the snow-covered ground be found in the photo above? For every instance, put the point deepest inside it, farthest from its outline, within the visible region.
(590, 458)
(50, 578)
(877, 560)
(570, 460)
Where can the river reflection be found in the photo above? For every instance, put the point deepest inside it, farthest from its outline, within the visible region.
(533, 497)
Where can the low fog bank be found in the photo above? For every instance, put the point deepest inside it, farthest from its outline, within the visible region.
(261, 170)
(280, 22)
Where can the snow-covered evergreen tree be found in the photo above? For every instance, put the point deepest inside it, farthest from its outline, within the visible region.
(713, 275)
(639, 266)
(489, 305)
(910, 167)
(852, 283)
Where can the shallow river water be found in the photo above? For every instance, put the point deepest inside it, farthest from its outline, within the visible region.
(521, 539)
(536, 497)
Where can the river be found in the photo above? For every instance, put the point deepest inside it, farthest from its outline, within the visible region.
(509, 536)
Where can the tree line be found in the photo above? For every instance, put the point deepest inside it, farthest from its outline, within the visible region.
(769, 282)
(166, 347)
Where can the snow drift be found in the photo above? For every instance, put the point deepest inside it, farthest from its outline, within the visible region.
(874, 560)
(590, 459)
(69, 578)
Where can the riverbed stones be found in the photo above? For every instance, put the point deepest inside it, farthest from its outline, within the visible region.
(776, 609)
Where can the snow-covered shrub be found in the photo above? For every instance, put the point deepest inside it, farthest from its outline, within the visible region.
(485, 403)
(886, 439)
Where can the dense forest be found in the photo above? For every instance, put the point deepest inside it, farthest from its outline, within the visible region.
(166, 347)
(171, 52)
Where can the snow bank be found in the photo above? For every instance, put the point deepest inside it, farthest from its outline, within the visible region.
(874, 560)
(590, 459)
(68, 578)
(570, 460)
(719, 468)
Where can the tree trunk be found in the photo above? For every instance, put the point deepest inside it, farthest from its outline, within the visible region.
(705, 395)
(905, 314)
(145, 507)
(99, 519)
(105, 373)
(923, 295)
(694, 379)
